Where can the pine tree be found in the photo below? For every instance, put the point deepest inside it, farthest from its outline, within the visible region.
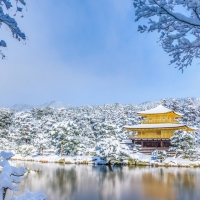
(164, 103)
(41, 142)
(174, 105)
(183, 143)
(159, 155)
(190, 113)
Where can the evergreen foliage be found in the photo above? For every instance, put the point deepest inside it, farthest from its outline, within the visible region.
(184, 143)
(159, 155)
(174, 105)
(86, 130)
(191, 113)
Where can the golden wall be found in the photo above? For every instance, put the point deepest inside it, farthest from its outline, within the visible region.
(164, 133)
(161, 118)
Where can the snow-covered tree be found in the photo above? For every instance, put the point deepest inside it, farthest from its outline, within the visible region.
(10, 22)
(159, 155)
(183, 142)
(24, 128)
(164, 103)
(7, 144)
(23, 131)
(110, 149)
(190, 112)
(178, 22)
(174, 105)
(41, 142)
(65, 138)
(5, 121)
(11, 175)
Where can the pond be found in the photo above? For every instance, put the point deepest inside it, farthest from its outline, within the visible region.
(84, 182)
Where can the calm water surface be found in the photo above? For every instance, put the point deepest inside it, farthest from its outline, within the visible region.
(86, 182)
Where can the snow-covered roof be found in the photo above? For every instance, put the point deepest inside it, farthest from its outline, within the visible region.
(158, 110)
(143, 126)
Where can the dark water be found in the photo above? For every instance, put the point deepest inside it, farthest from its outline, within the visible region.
(86, 182)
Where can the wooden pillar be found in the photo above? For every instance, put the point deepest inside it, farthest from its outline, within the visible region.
(161, 143)
(142, 143)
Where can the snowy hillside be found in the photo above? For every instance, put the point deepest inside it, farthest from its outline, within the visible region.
(52, 104)
(180, 101)
(21, 107)
(82, 130)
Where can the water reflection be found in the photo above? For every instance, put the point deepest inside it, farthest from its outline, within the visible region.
(81, 182)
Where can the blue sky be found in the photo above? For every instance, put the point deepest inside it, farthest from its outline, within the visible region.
(88, 52)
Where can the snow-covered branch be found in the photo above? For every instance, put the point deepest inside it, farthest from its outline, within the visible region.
(11, 175)
(178, 22)
(10, 22)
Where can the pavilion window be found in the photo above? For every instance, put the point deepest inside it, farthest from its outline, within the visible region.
(164, 119)
(158, 132)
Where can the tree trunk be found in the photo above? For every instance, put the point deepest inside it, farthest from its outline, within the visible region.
(61, 150)
(3, 193)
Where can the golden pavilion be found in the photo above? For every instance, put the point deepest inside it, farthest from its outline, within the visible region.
(158, 126)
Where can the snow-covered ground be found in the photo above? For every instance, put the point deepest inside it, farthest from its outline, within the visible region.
(138, 159)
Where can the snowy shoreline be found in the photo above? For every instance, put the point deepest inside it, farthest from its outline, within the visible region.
(137, 159)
